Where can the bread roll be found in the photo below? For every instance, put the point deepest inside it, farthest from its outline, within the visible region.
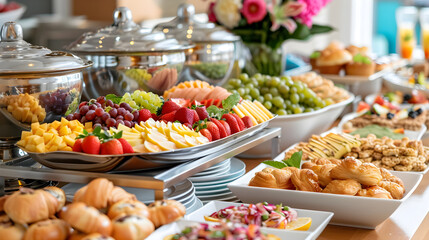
(10, 230)
(53, 229)
(128, 207)
(59, 194)
(132, 227)
(165, 211)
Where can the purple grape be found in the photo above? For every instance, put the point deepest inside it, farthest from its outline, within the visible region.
(96, 125)
(109, 103)
(127, 123)
(136, 115)
(98, 120)
(105, 116)
(92, 107)
(101, 99)
(113, 112)
(99, 112)
(115, 105)
(90, 115)
(122, 111)
(83, 119)
(69, 117)
(84, 109)
(119, 122)
(129, 116)
(77, 116)
(97, 104)
(124, 105)
(119, 117)
(110, 122)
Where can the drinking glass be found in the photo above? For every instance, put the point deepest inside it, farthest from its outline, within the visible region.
(406, 18)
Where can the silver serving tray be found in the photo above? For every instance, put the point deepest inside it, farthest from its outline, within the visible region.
(133, 161)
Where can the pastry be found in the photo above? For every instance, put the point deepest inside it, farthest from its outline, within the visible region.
(387, 176)
(28, 205)
(92, 236)
(313, 59)
(331, 61)
(323, 161)
(165, 211)
(52, 229)
(353, 50)
(360, 66)
(374, 191)
(10, 230)
(2, 201)
(273, 178)
(305, 180)
(128, 207)
(59, 194)
(95, 194)
(323, 173)
(86, 219)
(119, 194)
(396, 190)
(348, 187)
(351, 168)
(132, 227)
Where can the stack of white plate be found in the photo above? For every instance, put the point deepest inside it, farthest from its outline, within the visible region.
(183, 192)
(211, 184)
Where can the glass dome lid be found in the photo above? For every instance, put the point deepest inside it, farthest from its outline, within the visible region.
(17, 56)
(186, 28)
(125, 36)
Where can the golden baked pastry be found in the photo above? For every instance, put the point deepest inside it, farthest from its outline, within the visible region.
(387, 176)
(308, 165)
(283, 177)
(2, 201)
(332, 61)
(128, 207)
(323, 161)
(374, 191)
(305, 180)
(10, 230)
(353, 50)
(165, 211)
(348, 187)
(96, 236)
(264, 178)
(396, 190)
(132, 227)
(86, 219)
(360, 69)
(351, 168)
(59, 194)
(52, 229)
(28, 205)
(100, 193)
(323, 173)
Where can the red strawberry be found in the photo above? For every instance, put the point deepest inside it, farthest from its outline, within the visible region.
(11, 6)
(226, 126)
(154, 116)
(169, 106)
(185, 115)
(196, 117)
(222, 131)
(113, 146)
(91, 145)
(214, 130)
(232, 122)
(169, 117)
(202, 112)
(239, 121)
(77, 147)
(126, 146)
(206, 133)
(217, 103)
(144, 115)
(247, 121)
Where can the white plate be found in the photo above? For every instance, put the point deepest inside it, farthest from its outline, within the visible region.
(222, 182)
(299, 127)
(178, 226)
(363, 212)
(218, 165)
(217, 196)
(214, 172)
(211, 187)
(319, 219)
(197, 205)
(237, 166)
(211, 192)
(230, 199)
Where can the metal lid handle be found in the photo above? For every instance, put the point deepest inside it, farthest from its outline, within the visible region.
(185, 11)
(11, 32)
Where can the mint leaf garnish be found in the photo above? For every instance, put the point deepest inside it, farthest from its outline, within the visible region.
(294, 160)
(276, 164)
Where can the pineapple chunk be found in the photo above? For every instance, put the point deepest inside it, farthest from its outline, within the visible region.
(64, 130)
(39, 132)
(30, 147)
(88, 125)
(44, 126)
(25, 134)
(40, 148)
(55, 124)
(53, 148)
(69, 141)
(48, 137)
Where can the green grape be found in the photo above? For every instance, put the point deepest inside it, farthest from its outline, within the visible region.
(316, 108)
(261, 81)
(141, 99)
(278, 101)
(293, 90)
(285, 95)
(241, 91)
(289, 82)
(254, 81)
(247, 97)
(301, 96)
(320, 103)
(274, 82)
(281, 112)
(268, 96)
(289, 111)
(247, 90)
(254, 92)
(237, 83)
(273, 109)
(308, 110)
(283, 89)
(250, 85)
(294, 98)
(274, 91)
(299, 87)
(228, 86)
(308, 93)
(260, 99)
(328, 102)
(268, 105)
(297, 110)
(234, 91)
(244, 76)
(265, 90)
(258, 76)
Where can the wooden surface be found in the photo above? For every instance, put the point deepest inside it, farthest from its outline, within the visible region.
(409, 221)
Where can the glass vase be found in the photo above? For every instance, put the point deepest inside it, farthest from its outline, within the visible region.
(264, 59)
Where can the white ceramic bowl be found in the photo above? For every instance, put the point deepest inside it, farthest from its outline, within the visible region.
(13, 15)
(362, 212)
(299, 127)
(319, 219)
(397, 83)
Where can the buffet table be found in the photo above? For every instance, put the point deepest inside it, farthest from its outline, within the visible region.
(409, 221)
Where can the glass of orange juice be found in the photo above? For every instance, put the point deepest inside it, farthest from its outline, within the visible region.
(406, 18)
(424, 23)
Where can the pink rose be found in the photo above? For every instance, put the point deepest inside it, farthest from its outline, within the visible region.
(254, 10)
(313, 7)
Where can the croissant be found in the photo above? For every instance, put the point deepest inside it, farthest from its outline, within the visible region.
(128, 207)
(374, 191)
(387, 176)
(323, 173)
(351, 168)
(132, 227)
(86, 219)
(308, 165)
(10, 230)
(305, 180)
(283, 177)
(264, 178)
(59, 194)
(396, 190)
(119, 194)
(323, 161)
(2, 201)
(52, 229)
(348, 187)
(165, 211)
(28, 205)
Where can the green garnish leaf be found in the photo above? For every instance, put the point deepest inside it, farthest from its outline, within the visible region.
(215, 112)
(294, 160)
(113, 98)
(276, 164)
(315, 54)
(231, 101)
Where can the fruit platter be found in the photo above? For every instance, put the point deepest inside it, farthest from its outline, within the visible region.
(112, 129)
